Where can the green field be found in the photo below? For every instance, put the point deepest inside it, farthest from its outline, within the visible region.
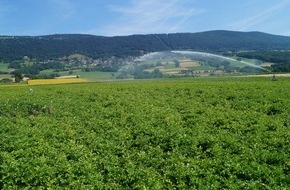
(92, 76)
(196, 133)
(96, 76)
(2, 76)
(4, 68)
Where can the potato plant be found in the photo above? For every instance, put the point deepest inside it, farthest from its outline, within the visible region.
(216, 133)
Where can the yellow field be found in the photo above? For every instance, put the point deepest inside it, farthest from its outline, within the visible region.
(56, 81)
(188, 63)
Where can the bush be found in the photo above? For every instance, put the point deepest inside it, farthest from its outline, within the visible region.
(6, 80)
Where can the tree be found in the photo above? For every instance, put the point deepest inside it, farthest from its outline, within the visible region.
(177, 63)
(18, 77)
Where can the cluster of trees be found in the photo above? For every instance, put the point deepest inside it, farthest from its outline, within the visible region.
(103, 68)
(156, 73)
(45, 76)
(32, 70)
(6, 80)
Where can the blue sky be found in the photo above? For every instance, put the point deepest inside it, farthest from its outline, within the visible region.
(126, 17)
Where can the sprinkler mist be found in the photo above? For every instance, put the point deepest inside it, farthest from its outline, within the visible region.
(172, 56)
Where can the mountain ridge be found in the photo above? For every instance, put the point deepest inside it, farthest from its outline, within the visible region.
(59, 45)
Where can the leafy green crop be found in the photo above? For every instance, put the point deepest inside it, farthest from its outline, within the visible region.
(222, 133)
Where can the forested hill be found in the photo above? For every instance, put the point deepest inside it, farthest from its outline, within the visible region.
(53, 46)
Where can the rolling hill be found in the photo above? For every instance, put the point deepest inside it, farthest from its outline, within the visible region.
(54, 46)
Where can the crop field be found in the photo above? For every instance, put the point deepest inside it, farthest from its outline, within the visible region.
(91, 76)
(3, 69)
(188, 63)
(3, 76)
(97, 75)
(195, 133)
(56, 81)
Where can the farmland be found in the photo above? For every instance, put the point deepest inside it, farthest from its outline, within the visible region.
(56, 81)
(195, 133)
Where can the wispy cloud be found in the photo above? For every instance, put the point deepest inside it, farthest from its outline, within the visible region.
(253, 20)
(151, 16)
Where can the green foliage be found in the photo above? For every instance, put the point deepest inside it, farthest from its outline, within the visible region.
(176, 63)
(56, 46)
(6, 80)
(35, 68)
(217, 133)
(18, 77)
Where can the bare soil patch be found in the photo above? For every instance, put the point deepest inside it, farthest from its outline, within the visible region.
(188, 63)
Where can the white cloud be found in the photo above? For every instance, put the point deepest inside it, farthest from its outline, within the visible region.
(253, 20)
(151, 16)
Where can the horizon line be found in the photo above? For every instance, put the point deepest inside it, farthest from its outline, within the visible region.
(139, 34)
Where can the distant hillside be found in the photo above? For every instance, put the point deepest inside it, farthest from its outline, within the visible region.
(54, 46)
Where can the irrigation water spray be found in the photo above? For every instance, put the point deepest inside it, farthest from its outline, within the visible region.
(171, 55)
